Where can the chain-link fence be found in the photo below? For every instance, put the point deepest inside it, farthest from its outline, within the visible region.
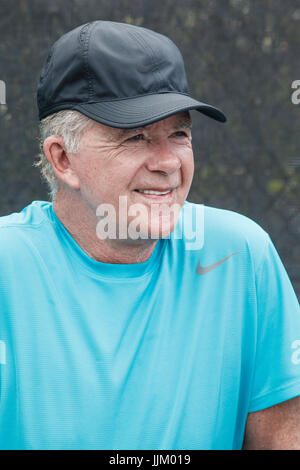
(240, 55)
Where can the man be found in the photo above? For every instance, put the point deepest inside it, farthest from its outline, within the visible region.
(119, 330)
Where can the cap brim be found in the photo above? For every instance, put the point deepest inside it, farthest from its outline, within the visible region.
(143, 110)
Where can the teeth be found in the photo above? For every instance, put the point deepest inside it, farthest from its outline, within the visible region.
(148, 191)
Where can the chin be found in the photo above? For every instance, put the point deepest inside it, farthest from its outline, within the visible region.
(152, 231)
(161, 229)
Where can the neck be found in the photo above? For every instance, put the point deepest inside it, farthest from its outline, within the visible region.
(81, 221)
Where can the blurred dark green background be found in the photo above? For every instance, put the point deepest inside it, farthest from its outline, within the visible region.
(240, 55)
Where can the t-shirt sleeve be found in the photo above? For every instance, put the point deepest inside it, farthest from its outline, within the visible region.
(277, 362)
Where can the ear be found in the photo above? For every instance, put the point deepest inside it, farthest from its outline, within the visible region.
(55, 152)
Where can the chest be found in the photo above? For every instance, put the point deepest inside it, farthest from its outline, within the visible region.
(154, 365)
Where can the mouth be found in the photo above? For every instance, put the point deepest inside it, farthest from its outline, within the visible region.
(157, 194)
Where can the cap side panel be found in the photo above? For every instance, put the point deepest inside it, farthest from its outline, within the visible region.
(84, 40)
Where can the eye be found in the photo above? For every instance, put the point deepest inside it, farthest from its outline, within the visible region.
(135, 138)
(180, 134)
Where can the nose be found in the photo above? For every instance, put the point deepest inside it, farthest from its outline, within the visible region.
(163, 159)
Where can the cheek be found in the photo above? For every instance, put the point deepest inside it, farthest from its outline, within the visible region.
(105, 185)
(187, 166)
(94, 184)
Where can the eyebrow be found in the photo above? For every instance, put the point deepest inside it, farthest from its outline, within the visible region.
(185, 123)
(182, 123)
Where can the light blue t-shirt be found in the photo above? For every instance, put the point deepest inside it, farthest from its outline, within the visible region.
(171, 353)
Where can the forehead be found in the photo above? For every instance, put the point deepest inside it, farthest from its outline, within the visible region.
(180, 120)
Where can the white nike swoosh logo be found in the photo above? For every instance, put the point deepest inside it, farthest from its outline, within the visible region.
(205, 269)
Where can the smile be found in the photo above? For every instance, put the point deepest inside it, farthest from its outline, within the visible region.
(150, 191)
(156, 195)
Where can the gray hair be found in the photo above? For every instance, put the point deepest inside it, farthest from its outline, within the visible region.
(68, 124)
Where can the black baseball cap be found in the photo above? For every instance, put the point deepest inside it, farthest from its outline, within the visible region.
(118, 74)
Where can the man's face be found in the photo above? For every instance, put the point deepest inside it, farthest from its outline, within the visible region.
(116, 162)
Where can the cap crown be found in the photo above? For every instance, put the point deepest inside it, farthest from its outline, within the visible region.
(104, 61)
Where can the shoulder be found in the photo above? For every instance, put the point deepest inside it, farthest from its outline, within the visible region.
(222, 230)
(227, 223)
(17, 226)
(30, 215)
